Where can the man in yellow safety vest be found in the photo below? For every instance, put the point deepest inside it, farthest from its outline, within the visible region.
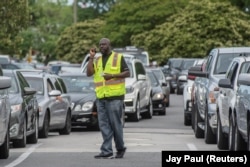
(110, 71)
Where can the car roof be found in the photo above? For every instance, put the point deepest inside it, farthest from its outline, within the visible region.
(233, 49)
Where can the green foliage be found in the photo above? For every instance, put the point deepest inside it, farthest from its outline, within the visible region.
(129, 17)
(75, 42)
(202, 25)
(14, 17)
(48, 20)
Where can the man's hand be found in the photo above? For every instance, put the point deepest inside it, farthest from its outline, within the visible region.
(92, 52)
(108, 76)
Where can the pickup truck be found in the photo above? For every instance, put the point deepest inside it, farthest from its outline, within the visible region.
(206, 90)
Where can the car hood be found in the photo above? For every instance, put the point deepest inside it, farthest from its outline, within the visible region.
(76, 97)
(156, 89)
(129, 81)
(15, 99)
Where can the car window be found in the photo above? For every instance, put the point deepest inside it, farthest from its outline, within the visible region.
(37, 84)
(78, 84)
(62, 85)
(139, 69)
(22, 80)
(223, 61)
(50, 86)
(245, 67)
(56, 84)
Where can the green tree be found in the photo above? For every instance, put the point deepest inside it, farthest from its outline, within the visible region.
(48, 20)
(129, 17)
(202, 25)
(76, 40)
(14, 16)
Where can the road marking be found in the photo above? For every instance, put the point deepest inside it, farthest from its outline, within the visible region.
(191, 146)
(23, 156)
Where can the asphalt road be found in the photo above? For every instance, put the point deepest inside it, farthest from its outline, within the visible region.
(145, 141)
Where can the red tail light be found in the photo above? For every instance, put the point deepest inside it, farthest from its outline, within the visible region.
(191, 77)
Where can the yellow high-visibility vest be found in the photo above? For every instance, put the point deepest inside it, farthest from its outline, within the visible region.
(114, 86)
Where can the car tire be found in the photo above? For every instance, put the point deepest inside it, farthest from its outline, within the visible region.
(135, 117)
(231, 134)
(222, 140)
(32, 139)
(67, 128)
(210, 137)
(43, 133)
(187, 121)
(167, 104)
(149, 113)
(4, 148)
(240, 144)
(199, 133)
(21, 143)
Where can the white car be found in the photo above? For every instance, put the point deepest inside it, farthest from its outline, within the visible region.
(138, 101)
(187, 104)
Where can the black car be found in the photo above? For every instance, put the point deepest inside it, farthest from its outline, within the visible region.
(24, 110)
(81, 89)
(158, 95)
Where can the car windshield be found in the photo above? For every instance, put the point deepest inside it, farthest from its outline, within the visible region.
(37, 84)
(79, 84)
(175, 63)
(158, 74)
(14, 88)
(153, 79)
(223, 62)
(187, 64)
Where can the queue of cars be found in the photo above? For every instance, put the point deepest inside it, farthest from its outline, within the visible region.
(220, 108)
(35, 102)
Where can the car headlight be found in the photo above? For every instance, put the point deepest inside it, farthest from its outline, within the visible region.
(16, 108)
(158, 96)
(129, 89)
(84, 107)
(72, 105)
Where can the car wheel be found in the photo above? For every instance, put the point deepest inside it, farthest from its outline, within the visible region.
(210, 137)
(199, 133)
(135, 117)
(222, 141)
(248, 134)
(149, 112)
(240, 144)
(34, 137)
(43, 133)
(67, 128)
(4, 148)
(20, 143)
(187, 121)
(167, 104)
(231, 135)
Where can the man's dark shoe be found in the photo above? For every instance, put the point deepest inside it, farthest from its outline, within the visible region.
(120, 153)
(104, 156)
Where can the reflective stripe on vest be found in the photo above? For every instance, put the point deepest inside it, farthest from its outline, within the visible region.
(110, 82)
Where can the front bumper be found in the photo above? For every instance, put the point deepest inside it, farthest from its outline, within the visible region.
(130, 103)
(84, 119)
(212, 117)
(159, 105)
(188, 110)
(16, 125)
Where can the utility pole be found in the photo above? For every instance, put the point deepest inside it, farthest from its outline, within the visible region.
(75, 11)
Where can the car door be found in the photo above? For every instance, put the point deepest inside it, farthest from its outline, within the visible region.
(143, 84)
(227, 94)
(60, 103)
(29, 102)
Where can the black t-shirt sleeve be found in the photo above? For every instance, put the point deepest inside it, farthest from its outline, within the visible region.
(124, 66)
